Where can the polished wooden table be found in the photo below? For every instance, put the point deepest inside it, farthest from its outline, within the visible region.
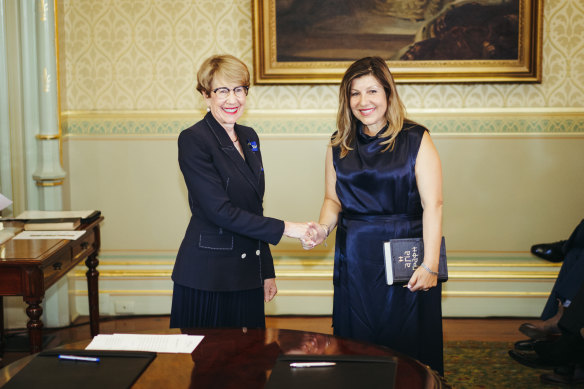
(243, 359)
(29, 267)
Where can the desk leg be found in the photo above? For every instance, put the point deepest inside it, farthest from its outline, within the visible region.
(93, 292)
(34, 325)
(2, 340)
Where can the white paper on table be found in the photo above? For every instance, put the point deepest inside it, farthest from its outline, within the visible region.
(4, 201)
(179, 343)
(71, 235)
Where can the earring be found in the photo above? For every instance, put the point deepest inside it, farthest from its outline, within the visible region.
(208, 109)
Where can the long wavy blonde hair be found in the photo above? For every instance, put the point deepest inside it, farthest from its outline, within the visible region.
(346, 121)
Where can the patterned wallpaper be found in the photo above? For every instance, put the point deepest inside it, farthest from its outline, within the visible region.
(142, 55)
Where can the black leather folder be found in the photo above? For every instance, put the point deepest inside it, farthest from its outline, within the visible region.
(115, 369)
(349, 371)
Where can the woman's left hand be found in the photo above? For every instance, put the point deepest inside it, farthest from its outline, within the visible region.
(270, 289)
(422, 280)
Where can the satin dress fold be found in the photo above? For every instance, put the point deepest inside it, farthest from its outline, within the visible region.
(380, 201)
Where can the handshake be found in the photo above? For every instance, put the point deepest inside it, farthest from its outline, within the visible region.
(311, 234)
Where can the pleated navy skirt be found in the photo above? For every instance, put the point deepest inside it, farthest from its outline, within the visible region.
(194, 308)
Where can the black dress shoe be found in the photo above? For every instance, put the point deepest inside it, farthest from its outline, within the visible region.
(530, 359)
(553, 252)
(566, 350)
(539, 332)
(525, 345)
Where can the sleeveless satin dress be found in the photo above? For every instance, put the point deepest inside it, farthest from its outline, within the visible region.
(380, 201)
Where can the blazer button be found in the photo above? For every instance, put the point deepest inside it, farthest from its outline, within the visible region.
(257, 252)
(243, 255)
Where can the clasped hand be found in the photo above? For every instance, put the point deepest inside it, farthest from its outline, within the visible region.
(315, 235)
(311, 234)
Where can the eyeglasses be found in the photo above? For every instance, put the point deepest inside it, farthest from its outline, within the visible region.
(223, 92)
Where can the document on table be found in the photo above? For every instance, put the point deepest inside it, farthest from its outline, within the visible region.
(71, 235)
(179, 343)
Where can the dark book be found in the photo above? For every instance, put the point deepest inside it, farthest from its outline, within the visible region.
(47, 217)
(114, 370)
(93, 216)
(404, 256)
(343, 372)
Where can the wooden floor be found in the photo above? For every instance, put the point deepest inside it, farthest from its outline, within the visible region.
(504, 330)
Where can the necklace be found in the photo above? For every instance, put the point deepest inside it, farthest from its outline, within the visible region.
(236, 139)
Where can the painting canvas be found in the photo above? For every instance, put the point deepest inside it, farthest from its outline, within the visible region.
(304, 41)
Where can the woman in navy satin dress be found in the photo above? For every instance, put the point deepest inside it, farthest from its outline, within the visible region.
(383, 181)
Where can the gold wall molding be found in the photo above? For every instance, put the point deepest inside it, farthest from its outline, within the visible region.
(505, 294)
(125, 274)
(312, 275)
(49, 183)
(320, 137)
(48, 137)
(126, 292)
(329, 261)
(278, 113)
(320, 293)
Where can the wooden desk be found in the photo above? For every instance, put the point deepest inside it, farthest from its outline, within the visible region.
(29, 267)
(243, 359)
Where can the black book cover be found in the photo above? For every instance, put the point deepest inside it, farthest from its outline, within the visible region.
(404, 256)
(115, 370)
(349, 371)
(83, 220)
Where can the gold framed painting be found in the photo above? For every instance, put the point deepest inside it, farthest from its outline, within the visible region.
(424, 41)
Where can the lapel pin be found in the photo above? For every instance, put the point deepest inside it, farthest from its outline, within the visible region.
(252, 145)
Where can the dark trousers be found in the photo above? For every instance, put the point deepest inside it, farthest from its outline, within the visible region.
(571, 273)
(572, 320)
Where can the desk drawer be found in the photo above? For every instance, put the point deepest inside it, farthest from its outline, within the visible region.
(56, 267)
(81, 248)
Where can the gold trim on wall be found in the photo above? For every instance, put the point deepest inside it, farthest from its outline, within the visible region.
(328, 275)
(126, 274)
(126, 292)
(48, 137)
(494, 294)
(319, 293)
(49, 183)
(527, 68)
(511, 112)
(329, 262)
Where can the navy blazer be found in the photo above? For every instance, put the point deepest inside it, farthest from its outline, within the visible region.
(225, 247)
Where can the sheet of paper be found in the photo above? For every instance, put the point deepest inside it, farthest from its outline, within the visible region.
(179, 343)
(53, 214)
(4, 201)
(71, 235)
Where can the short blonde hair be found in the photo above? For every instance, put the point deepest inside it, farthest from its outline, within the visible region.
(225, 66)
(346, 121)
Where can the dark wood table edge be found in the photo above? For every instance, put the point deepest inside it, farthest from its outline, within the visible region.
(437, 381)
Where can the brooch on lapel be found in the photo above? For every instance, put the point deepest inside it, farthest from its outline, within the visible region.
(252, 145)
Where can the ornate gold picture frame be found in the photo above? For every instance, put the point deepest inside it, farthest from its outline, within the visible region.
(441, 41)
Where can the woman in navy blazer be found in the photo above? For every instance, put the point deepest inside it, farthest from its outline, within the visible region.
(224, 269)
